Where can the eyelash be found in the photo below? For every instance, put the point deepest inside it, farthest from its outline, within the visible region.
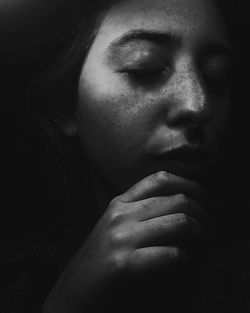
(144, 75)
(150, 77)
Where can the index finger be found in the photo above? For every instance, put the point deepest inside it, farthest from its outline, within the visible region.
(162, 184)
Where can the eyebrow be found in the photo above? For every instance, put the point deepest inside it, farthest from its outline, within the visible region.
(153, 36)
(164, 38)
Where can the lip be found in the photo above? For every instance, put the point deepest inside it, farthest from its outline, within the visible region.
(184, 154)
(187, 161)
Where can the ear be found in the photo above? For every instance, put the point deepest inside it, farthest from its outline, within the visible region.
(67, 126)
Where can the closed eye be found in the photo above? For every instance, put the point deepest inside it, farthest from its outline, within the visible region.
(147, 76)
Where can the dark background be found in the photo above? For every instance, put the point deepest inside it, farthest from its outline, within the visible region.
(30, 200)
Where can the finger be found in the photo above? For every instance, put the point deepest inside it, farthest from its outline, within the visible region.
(159, 206)
(150, 258)
(162, 184)
(170, 229)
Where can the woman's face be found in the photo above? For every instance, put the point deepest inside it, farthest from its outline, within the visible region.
(154, 90)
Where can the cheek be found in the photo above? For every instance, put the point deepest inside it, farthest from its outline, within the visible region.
(113, 131)
(112, 125)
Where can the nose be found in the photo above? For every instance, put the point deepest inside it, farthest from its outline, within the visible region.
(190, 106)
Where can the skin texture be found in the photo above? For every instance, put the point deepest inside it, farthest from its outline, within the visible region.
(123, 118)
(122, 121)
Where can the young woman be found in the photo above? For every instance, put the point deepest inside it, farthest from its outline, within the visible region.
(140, 103)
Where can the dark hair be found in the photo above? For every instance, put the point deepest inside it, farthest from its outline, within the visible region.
(56, 87)
(52, 95)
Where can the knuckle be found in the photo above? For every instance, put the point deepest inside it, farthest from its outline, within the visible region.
(182, 198)
(120, 261)
(117, 237)
(145, 205)
(116, 216)
(160, 177)
(189, 224)
(184, 219)
(177, 253)
(150, 225)
(114, 201)
(117, 213)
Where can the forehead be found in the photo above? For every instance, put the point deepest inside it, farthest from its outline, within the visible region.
(183, 17)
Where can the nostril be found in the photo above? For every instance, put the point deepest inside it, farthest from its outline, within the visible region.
(192, 119)
(187, 121)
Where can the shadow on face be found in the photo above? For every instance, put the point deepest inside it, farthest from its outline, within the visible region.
(155, 80)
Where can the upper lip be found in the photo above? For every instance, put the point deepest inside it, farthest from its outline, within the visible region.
(184, 154)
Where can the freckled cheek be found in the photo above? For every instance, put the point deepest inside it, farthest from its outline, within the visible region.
(105, 100)
(112, 121)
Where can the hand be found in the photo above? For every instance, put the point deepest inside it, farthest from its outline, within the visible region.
(144, 229)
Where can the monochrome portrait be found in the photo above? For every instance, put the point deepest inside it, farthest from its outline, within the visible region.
(125, 172)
